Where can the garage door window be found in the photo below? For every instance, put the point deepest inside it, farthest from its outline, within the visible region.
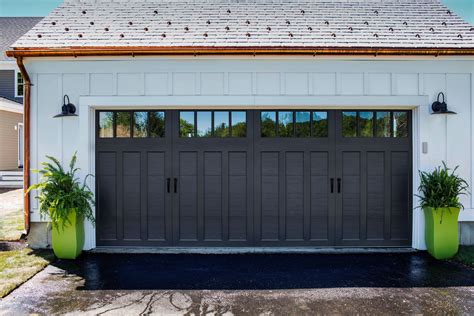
(400, 124)
(383, 124)
(106, 124)
(293, 124)
(127, 124)
(140, 124)
(375, 124)
(122, 124)
(220, 124)
(239, 124)
(320, 124)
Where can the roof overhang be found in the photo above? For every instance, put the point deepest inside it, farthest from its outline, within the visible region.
(194, 50)
(10, 106)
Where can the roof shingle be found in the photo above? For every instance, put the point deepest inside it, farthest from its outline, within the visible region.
(251, 23)
(11, 28)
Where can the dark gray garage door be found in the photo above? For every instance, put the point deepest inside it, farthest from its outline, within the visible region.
(253, 178)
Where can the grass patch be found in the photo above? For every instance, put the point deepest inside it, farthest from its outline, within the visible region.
(11, 225)
(18, 266)
(466, 255)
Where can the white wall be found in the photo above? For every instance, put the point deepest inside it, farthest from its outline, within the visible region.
(257, 82)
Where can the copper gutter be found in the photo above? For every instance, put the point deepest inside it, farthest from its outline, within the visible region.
(26, 143)
(195, 50)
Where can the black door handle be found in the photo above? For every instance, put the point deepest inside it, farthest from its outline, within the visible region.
(175, 185)
(332, 185)
(168, 182)
(338, 185)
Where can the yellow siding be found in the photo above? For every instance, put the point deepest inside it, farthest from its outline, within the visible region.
(9, 139)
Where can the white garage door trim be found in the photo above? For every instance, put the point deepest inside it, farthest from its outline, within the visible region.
(88, 105)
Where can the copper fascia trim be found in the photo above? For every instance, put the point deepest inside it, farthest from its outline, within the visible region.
(138, 50)
(26, 143)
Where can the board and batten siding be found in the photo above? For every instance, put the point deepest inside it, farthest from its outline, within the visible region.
(259, 82)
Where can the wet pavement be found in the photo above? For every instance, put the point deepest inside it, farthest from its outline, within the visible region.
(281, 284)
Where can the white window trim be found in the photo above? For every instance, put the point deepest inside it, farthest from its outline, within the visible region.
(20, 144)
(15, 86)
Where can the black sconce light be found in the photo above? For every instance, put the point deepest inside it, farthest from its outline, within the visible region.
(68, 109)
(439, 107)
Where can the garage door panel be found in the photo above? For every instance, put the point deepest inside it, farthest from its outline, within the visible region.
(156, 196)
(269, 207)
(107, 217)
(375, 195)
(400, 196)
(213, 207)
(107, 195)
(238, 199)
(294, 195)
(351, 195)
(131, 195)
(294, 208)
(319, 196)
(156, 215)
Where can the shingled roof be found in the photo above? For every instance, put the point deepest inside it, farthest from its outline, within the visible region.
(269, 24)
(11, 28)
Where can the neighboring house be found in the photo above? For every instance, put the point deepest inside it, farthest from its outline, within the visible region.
(252, 123)
(11, 94)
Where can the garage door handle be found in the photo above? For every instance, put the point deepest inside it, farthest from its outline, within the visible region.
(332, 185)
(338, 185)
(168, 183)
(175, 185)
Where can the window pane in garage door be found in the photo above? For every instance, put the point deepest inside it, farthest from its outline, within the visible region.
(366, 124)
(320, 124)
(349, 124)
(383, 125)
(186, 124)
(285, 124)
(268, 124)
(239, 124)
(303, 124)
(400, 124)
(122, 123)
(221, 124)
(204, 124)
(106, 124)
(157, 124)
(140, 124)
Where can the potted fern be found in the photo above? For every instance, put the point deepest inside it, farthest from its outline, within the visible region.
(67, 203)
(439, 198)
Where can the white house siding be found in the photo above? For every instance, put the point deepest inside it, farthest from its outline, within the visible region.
(256, 82)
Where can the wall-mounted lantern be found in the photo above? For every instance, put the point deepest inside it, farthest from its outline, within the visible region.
(440, 107)
(68, 109)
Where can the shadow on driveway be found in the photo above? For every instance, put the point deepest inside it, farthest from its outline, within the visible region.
(264, 271)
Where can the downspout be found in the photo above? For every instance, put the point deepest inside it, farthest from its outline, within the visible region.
(26, 142)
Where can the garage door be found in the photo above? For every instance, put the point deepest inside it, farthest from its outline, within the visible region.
(253, 178)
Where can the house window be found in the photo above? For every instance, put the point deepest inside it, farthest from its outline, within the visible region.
(19, 85)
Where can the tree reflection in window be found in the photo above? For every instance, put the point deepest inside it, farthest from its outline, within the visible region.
(106, 124)
(221, 124)
(268, 124)
(349, 124)
(186, 124)
(239, 124)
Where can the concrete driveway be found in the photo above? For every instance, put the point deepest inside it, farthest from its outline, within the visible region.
(283, 284)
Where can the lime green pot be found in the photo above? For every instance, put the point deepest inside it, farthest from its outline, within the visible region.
(68, 239)
(441, 231)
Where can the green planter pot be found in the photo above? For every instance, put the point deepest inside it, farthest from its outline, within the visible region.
(441, 231)
(68, 240)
